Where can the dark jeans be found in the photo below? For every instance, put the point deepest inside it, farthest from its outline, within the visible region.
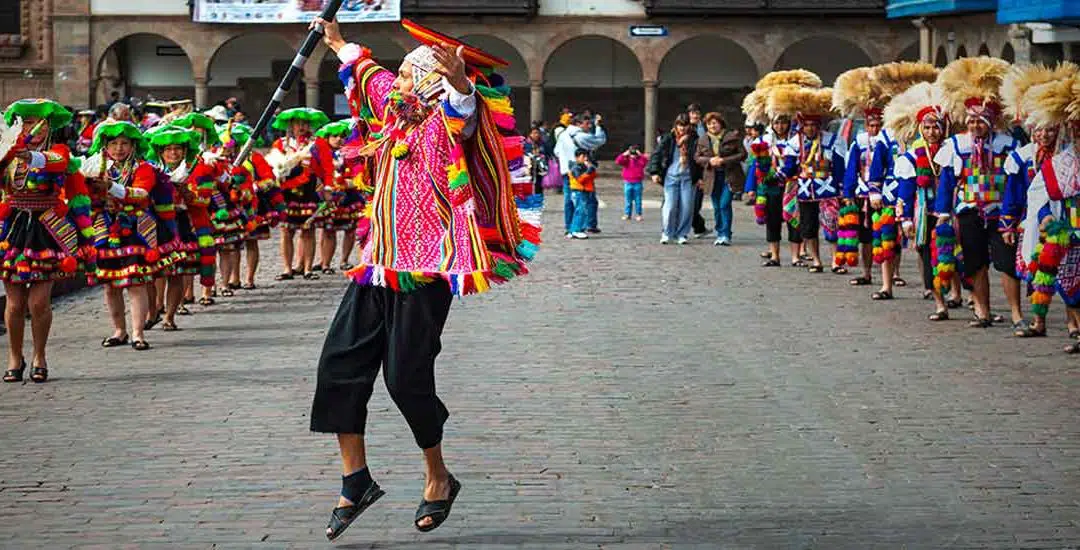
(400, 331)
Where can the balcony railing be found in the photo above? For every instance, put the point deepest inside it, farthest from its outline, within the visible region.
(525, 8)
(763, 7)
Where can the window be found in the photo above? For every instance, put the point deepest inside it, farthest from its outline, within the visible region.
(10, 17)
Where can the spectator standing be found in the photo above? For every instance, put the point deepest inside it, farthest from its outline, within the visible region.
(633, 174)
(584, 133)
(582, 184)
(720, 154)
(672, 164)
(697, 125)
(537, 154)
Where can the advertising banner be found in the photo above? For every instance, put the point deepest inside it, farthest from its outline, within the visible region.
(293, 11)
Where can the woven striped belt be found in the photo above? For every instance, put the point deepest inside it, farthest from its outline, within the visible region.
(32, 202)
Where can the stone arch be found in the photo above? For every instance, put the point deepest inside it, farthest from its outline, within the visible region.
(682, 80)
(828, 56)
(941, 58)
(984, 49)
(517, 74)
(961, 51)
(248, 66)
(144, 65)
(582, 73)
(910, 53)
(324, 66)
(1008, 54)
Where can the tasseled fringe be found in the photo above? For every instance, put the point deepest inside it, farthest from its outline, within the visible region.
(457, 172)
(943, 257)
(761, 207)
(884, 225)
(1048, 258)
(847, 242)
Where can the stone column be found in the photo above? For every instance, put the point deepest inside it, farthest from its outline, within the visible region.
(536, 100)
(311, 93)
(650, 115)
(202, 92)
(72, 68)
(1020, 38)
(926, 40)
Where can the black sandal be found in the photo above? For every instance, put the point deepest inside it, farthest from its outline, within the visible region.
(981, 323)
(816, 269)
(227, 293)
(15, 375)
(311, 276)
(860, 281)
(1073, 348)
(140, 345)
(799, 263)
(437, 510)
(899, 281)
(928, 295)
(183, 310)
(39, 375)
(839, 270)
(345, 267)
(1022, 329)
(997, 318)
(151, 323)
(342, 517)
(955, 303)
(882, 295)
(169, 326)
(207, 301)
(234, 286)
(765, 255)
(770, 263)
(942, 315)
(328, 270)
(112, 342)
(1074, 334)
(249, 286)
(188, 301)
(285, 277)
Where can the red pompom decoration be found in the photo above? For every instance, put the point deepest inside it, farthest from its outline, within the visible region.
(69, 264)
(4, 210)
(23, 267)
(152, 256)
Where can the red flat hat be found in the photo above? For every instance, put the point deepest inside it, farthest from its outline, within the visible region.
(473, 56)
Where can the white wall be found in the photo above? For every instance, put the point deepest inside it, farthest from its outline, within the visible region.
(146, 68)
(592, 7)
(139, 7)
(592, 62)
(516, 75)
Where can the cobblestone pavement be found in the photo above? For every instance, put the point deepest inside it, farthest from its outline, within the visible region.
(625, 395)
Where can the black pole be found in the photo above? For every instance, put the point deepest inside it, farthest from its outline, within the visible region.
(291, 75)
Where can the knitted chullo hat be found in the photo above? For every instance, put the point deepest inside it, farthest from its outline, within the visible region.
(906, 111)
(973, 85)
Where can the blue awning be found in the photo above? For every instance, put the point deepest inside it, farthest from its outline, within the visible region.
(1028, 11)
(920, 8)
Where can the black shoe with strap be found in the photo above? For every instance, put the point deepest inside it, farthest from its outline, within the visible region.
(437, 510)
(15, 375)
(39, 374)
(361, 491)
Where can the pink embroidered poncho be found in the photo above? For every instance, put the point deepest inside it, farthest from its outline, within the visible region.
(459, 205)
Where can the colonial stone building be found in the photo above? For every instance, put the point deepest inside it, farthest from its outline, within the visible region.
(575, 53)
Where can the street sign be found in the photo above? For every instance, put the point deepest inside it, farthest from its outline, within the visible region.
(648, 31)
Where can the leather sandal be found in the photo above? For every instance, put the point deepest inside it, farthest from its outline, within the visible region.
(437, 510)
(343, 516)
(942, 315)
(15, 375)
(39, 374)
(112, 341)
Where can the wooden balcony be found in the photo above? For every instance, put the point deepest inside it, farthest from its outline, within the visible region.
(763, 7)
(524, 8)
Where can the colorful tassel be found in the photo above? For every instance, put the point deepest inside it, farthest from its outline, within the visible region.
(884, 231)
(1048, 258)
(847, 243)
(943, 257)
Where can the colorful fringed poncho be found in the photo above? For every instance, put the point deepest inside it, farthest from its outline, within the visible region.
(447, 204)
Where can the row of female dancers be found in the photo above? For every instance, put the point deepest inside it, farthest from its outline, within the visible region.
(149, 212)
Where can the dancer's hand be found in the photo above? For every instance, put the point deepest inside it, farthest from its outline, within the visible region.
(331, 33)
(1009, 237)
(452, 66)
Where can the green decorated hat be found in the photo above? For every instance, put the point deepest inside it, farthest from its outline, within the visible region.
(341, 128)
(112, 129)
(163, 136)
(238, 133)
(201, 121)
(315, 117)
(57, 115)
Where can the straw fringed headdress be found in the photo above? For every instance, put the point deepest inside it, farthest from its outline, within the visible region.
(799, 101)
(796, 77)
(1022, 79)
(753, 106)
(973, 85)
(897, 77)
(907, 110)
(856, 95)
(1048, 104)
